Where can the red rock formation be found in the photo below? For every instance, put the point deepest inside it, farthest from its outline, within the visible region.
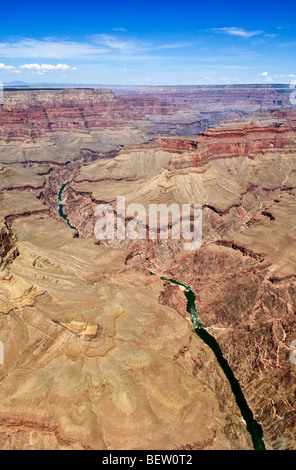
(30, 114)
(177, 144)
(233, 142)
(208, 98)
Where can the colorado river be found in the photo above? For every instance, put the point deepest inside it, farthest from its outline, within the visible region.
(61, 212)
(253, 427)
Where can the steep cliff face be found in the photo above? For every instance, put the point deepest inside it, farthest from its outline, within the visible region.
(247, 141)
(210, 98)
(8, 248)
(29, 115)
(33, 112)
(19, 99)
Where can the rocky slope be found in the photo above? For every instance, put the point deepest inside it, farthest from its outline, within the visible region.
(244, 274)
(8, 248)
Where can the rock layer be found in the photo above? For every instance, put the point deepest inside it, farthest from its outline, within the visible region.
(205, 98)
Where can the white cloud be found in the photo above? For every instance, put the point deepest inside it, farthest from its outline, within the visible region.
(122, 45)
(5, 68)
(290, 75)
(237, 32)
(125, 46)
(288, 44)
(49, 49)
(267, 77)
(99, 46)
(122, 30)
(39, 69)
(8, 69)
(46, 67)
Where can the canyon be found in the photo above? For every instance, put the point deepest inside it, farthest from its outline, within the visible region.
(99, 354)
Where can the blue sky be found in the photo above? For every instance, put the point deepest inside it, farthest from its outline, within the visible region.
(176, 42)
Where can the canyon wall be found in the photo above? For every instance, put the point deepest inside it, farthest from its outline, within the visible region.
(8, 248)
(99, 354)
(216, 97)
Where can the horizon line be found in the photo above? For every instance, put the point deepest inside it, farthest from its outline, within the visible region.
(108, 85)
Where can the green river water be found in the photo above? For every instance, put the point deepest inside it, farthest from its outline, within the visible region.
(61, 211)
(253, 426)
